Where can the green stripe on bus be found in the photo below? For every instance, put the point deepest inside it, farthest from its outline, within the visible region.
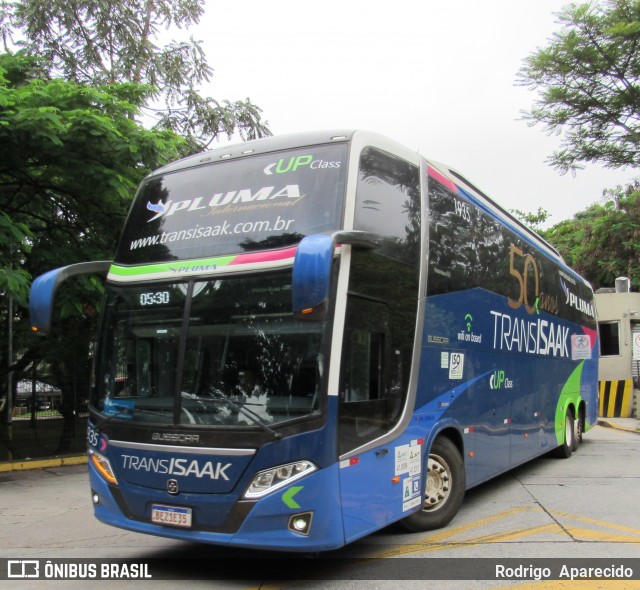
(175, 267)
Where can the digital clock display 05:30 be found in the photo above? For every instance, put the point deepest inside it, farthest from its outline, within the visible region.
(155, 298)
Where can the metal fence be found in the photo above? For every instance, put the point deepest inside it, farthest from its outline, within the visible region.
(43, 424)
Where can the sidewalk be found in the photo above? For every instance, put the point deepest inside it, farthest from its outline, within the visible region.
(24, 464)
(626, 424)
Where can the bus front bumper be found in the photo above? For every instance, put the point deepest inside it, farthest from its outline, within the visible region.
(302, 517)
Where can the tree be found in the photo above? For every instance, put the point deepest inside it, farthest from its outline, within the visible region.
(603, 242)
(532, 220)
(71, 157)
(99, 42)
(70, 160)
(587, 80)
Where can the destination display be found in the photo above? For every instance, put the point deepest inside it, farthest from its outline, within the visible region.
(253, 203)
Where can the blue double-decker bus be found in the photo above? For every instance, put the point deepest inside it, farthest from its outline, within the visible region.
(305, 338)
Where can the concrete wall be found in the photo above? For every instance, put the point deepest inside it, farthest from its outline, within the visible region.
(623, 308)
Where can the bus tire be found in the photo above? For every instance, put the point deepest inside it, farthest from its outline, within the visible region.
(579, 430)
(445, 482)
(566, 448)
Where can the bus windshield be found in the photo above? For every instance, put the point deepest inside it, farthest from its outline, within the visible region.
(213, 352)
(254, 203)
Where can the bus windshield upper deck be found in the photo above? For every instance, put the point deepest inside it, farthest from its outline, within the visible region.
(253, 203)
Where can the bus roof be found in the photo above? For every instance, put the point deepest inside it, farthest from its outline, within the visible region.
(309, 138)
(258, 146)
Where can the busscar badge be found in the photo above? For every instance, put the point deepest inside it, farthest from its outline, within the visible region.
(172, 487)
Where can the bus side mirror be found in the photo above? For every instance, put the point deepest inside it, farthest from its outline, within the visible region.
(312, 268)
(311, 279)
(44, 287)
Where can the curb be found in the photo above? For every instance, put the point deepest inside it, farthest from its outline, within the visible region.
(42, 463)
(608, 424)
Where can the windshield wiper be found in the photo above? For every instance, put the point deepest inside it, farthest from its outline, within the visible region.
(239, 407)
(130, 411)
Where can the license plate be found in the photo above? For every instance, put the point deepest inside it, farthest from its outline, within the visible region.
(171, 515)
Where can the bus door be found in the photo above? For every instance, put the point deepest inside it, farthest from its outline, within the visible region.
(367, 411)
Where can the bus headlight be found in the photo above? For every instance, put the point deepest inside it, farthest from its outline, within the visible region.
(103, 467)
(273, 479)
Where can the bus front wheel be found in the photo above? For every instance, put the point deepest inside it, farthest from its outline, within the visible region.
(445, 483)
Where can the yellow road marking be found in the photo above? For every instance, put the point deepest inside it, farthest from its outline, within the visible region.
(447, 539)
(472, 542)
(601, 523)
(601, 536)
(448, 533)
(454, 539)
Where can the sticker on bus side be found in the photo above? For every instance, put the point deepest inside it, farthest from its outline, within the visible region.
(408, 462)
(456, 365)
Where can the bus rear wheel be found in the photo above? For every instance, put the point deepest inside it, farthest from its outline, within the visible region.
(445, 483)
(567, 447)
(579, 429)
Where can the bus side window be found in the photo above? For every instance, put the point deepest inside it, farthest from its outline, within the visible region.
(367, 404)
(382, 303)
(364, 366)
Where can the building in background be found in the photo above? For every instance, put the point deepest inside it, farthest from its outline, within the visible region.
(619, 328)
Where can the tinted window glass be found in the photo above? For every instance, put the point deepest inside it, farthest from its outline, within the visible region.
(219, 352)
(382, 305)
(469, 248)
(609, 338)
(388, 203)
(252, 203)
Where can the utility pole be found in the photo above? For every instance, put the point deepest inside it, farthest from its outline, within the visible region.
(10, 378)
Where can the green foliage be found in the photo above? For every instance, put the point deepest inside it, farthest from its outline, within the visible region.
(535, 221)
(14, 246)
(72, 153)
(99, 42)
(71, 157)
(603, 242)
(587, 80)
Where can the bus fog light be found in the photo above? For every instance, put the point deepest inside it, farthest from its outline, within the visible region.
(95, 498)
(301, 523)
(270, 480)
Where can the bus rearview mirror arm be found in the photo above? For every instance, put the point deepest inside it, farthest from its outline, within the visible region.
(43, 290)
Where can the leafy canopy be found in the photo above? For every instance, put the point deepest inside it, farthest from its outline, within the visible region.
(70, 159)
(588, 84)
(98, 42)
(603, 242)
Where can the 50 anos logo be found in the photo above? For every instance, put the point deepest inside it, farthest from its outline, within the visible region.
(499, 380)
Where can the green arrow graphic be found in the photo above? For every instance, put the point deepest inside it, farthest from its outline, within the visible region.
(287, 497)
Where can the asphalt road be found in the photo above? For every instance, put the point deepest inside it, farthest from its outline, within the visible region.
(583, 507)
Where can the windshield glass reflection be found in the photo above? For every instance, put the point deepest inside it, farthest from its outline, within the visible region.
(218, 352)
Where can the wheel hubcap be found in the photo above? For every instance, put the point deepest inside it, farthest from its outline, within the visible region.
(568, 429)
(438, 483)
